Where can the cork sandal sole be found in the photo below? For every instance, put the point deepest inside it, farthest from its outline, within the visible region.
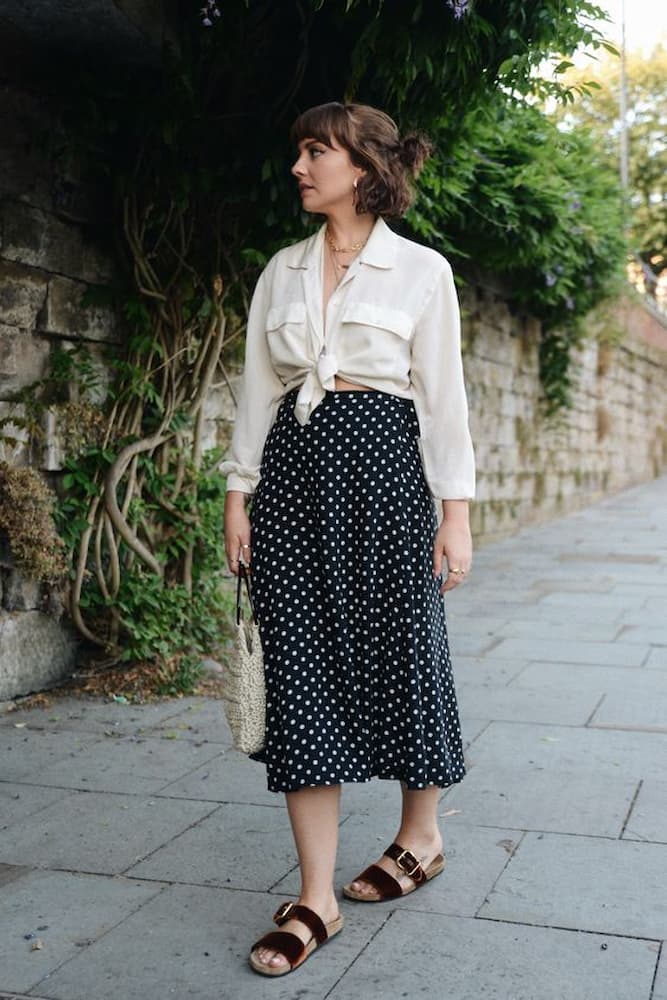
(282, 970)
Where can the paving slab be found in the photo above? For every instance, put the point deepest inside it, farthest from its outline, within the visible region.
(660, 986)
(580, 678)
(18, 801)
(648, 819)
(584, 883)
(133, 764)
(249, 848)
(649, 635)
(193, 941)
(521, 797)
(227, 777)
(93, 715)
(520, 704)
(589, 603)
(203, 719)
(657, 658)
(94, 832)
(66, 911)
(568, 651)
(484, 670)
(471, 728)
(605, 752)
(475, 858)
(581, 631)
(24, 752)
(440, 956)
(643, 706)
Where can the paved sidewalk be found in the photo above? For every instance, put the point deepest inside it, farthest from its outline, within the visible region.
(146, 856)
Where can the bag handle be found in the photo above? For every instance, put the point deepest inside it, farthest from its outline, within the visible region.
(241, 578)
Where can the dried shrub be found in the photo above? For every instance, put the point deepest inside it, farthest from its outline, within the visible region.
(26, 515)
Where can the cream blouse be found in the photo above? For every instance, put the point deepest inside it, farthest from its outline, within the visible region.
(392, 324)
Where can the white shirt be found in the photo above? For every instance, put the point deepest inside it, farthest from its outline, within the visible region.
(392, 324)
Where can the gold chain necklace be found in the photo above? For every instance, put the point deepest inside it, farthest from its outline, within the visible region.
(355, 246)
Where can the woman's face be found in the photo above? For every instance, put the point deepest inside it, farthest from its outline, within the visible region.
(326, 176)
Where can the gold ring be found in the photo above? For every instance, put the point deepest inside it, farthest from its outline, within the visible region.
(458, 571)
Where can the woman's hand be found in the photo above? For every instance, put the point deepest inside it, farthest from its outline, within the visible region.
(237, 530)
(453, 544)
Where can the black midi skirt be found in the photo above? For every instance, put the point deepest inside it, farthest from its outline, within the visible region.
(358, 672)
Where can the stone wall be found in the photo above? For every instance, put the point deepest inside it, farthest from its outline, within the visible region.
(614, 436)
(52, 250)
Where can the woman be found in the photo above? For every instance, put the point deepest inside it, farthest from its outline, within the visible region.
(351, 420)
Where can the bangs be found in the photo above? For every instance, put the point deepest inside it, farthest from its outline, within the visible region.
(324, 123)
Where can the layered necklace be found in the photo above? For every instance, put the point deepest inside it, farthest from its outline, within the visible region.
(339, 267)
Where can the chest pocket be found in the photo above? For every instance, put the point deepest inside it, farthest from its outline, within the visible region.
(286, 334)
(376, 337)
(381, 317)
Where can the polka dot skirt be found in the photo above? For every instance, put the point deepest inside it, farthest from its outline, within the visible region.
(358, 672)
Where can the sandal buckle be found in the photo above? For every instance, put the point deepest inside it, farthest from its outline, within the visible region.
(407, 862)
(282, 914)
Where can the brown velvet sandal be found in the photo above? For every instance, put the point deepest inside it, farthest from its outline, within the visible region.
(290, 945)
(386, 886)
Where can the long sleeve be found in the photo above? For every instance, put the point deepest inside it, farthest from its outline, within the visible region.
(259, 397)
(436, 376)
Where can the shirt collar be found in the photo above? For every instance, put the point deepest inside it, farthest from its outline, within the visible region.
(380, 249)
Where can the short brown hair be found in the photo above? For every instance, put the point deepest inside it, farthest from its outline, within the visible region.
(372, 139)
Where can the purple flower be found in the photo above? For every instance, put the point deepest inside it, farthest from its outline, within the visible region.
(569, 302)
(209, 11)
(458, 7)
(550, 279)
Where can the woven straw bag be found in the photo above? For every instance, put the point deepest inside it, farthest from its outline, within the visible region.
(244, 696)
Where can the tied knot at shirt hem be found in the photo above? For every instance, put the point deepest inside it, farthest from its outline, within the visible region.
(317, 382)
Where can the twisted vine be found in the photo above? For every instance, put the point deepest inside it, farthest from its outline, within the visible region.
(154, 425)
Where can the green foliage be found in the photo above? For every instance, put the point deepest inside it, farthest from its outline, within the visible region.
(181, 680)
(597, 113)
(160, 618)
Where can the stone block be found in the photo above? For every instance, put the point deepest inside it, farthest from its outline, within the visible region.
(22, 294)
(19, 593)
(26, 751)
(583, 883)
(238, 848)
(571, 651)
(119, 831)
(604, 752)
(18, 800)
(25, 126)
(95, 715)
(23, 359)
(528, 797)
(65, 316)
(468, 959)
(40, 239)
(228, 778)
(660, 985)
(74, 911)
(35, 652)
(124, 767)
(648, 819)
